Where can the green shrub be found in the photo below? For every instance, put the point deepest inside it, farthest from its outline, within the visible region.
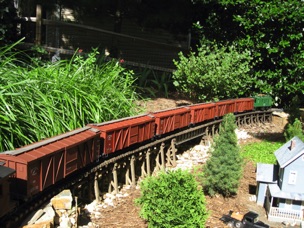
(293, 109)
(213, 73)
(294, 129)
(223, 169)
(172, 199)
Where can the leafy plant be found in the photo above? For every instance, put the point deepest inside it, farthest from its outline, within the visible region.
(294, 129)
(223, 169)
(172, 199)
(213, 73)
(293, 109)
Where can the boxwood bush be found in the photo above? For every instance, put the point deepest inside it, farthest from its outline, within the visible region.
(172, 199)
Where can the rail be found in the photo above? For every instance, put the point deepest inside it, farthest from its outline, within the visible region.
(284, 214)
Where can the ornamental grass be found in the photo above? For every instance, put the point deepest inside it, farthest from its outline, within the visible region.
(41, 100)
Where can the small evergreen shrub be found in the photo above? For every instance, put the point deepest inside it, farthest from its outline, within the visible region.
(172, 199)
(224, 168)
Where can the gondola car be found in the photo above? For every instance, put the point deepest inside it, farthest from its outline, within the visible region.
(122, 133)
(224, 107)
(202, 112)
(172, 119)
(244, 104)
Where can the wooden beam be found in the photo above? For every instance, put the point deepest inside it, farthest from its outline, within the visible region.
(38, 24)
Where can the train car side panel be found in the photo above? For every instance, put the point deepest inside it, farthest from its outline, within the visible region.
(146, 131)
(119, 134)
(202, 112)
(35, 178)
(244, 104)
(225, 107)
(71, 161)
(170, 120)
(58, 166)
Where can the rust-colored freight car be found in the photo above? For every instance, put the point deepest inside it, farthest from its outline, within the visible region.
(5, 199)
(122, 133)
(172, 119)
(44, 163)
(202, 112)
(244, 104)
(224, 107)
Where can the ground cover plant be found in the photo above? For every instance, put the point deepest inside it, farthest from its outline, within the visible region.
(261, 152)
(38, 101)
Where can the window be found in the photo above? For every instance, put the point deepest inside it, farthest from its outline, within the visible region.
(292, 177)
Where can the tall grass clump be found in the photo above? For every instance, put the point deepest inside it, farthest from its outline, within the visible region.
(43, 100)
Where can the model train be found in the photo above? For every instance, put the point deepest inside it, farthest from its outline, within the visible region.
(31, 169)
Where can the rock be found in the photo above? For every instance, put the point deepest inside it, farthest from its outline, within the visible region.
(40, 225)
(63, 200)
(42, 218)
(90, 207)
(65, 222)
(36, 216)
(48, 216)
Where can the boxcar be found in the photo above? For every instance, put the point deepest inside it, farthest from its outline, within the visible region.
(172, 119)
(44, 163)
(202, 112)
(224, 107)
(122, 133)
(244, 104)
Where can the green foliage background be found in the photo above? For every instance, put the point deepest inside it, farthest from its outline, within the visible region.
(273, 33)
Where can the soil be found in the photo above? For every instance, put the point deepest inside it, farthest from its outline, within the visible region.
(126, 214)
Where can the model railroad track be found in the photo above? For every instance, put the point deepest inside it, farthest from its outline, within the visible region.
(127, 165)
